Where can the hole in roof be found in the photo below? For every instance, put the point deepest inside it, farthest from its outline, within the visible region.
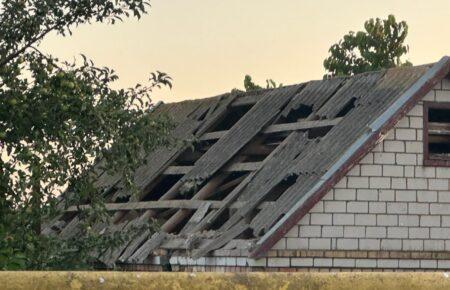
(280, 188)
(294, 115)
(314, 133)
(162, 185)
(347, 108)
(233, 115)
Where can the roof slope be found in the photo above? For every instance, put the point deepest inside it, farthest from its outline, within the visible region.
(260, 161)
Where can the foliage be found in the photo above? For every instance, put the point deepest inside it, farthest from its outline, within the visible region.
(249, 85)
(380, 46)
(58, 119)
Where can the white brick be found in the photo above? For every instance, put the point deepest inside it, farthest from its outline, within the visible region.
(332, 231)
(358, 207)
(409, 171)
(412, 245)
(442, 96)
(397, 232)
(335, 206)
(414, 147)
(365, 219)
(343, 219)
(386, 195)
(406, 159)
(318, 207)
(377, 207)
(321, 219)
(293, 232)
(439, 233)
(416, 122)
(323, 262)
(342, 183)
(278, 262)
(320, 244)
(301, 262)
(443, 172)
(358, 182)
(416, 111)
(380, 182)
(366, 263)
(439, 208)
(368, 159)
(310, 231)
(397, 207)
(391, 244)
(417, 183)
(438, 184)
(393, 170)
(444, 196)
(369, 244)
(425, 172)
(376, 232)
(398, 183)
(445, 221)
(443, 264)
(427, 196)
(387, 220)
(428, 264)
(419, 233)
(387, 263)
(405, 134)
(430, 221)
(403, 123)
(384, 158)
(418, 208)
(305, 220)
(280, 245)
(355, 171)
(409, 264)
(405, 195)
(394, 146)
(367, 194)
(297, 243)
(433, 245)
(354, 231)
(371, 170)
(343, 263)
(344, 194)
(347, 244)
(408, 220)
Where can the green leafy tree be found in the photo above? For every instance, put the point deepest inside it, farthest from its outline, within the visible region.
(249, 85)
(57, 121)
(380, 45)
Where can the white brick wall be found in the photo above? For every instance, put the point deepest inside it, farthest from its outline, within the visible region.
(387, 202)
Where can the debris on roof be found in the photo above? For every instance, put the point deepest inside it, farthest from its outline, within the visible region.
(259, 161)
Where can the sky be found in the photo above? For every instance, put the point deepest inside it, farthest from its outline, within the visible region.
(208, 46)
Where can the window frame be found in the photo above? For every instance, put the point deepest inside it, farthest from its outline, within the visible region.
(427, 161)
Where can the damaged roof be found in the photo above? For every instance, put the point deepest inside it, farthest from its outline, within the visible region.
(254, 163)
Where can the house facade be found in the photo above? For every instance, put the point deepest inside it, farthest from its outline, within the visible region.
(357, 180)
(391, 212)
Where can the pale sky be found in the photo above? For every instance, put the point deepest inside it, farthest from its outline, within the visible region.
(207, 46)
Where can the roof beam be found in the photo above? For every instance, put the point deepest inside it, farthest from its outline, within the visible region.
(165, 204)
(244, 166)
(302, 125)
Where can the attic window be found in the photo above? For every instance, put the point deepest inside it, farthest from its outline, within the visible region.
(437, 134)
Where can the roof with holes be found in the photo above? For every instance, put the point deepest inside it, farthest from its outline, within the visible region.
(259, 162)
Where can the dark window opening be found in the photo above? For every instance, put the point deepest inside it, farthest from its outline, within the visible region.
(437, 134)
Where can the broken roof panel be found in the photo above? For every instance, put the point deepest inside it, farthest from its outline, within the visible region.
(260, 161)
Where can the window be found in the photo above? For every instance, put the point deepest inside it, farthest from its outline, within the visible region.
(436, 134)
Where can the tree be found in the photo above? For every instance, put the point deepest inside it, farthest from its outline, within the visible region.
(249, 85)
(61, 125)
(380, 46)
